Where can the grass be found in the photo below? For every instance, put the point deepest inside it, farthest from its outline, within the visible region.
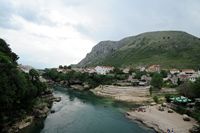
(169, 49)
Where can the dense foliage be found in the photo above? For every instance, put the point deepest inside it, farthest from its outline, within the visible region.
(190, 89)
(18, 90)
(72, 76)
(157, 80)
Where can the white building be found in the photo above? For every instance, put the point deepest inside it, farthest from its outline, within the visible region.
(174, 71)
(193, 77)
(103, 69)
(126, 70)
(90, 70)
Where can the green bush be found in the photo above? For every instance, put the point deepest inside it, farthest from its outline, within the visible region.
(155, 98)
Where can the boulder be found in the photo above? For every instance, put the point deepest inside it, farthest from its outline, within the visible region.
(40, 113)
(77, 87)
(186, 117)
(160, 108)
(195, 129)
(57, 99)
(170, 111)
(164, 104)
(153, 103)
(52, 111)
(86, 86)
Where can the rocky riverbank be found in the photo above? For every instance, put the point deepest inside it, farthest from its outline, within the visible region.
(40, 110)
(124, 93)
(161, 120)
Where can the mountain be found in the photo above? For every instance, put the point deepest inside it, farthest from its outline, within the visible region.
(167, 48)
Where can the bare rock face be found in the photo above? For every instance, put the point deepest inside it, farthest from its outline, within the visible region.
(165, 47)
(100, 51)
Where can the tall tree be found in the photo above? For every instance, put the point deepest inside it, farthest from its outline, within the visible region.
(157, 81)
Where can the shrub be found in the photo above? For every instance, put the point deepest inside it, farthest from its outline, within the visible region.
(155, 98)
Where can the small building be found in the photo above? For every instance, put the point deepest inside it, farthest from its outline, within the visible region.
(76, 69)
(183, 77)
(193, 77)
(188, 71)
(146, 78)
(174, 71)
(63, 70)
(153, 68)
(90, 70)
(141, 68)
(130, 78)
(143, 83)
(174, 80)
(126, 70)
(103, 69)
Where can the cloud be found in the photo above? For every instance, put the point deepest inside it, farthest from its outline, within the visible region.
(46, 33)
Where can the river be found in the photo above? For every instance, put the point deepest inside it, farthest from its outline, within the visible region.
(82, 112)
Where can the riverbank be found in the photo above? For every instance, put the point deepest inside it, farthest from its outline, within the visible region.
(124, 93)
(39, 111)
(162, 120)
(83, 112)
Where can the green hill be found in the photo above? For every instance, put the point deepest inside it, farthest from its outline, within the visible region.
(167, 48)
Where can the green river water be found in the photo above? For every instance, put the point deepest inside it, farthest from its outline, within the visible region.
(82, 112)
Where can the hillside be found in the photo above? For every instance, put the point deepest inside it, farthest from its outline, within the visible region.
(167, 48)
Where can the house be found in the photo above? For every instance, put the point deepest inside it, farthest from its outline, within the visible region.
(141, 68)
(90, 70)
(63, 70)
(76, 69)
(174, 80)
(193, 77)
(174, 71)
(188, 71)
(153, 68)
(103, 69)
(146, 78)
(183, 77)
(143, 83)
(130, 78)
(126, 70)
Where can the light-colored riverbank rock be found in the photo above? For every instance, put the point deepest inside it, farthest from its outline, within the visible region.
(124, 93)
(162, 120)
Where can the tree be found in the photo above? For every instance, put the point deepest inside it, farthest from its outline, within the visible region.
(195, 87)
(17, 91)
(185, 89)
(65, 67)
(190, 89)
(138, 74)
(34, 74)
(60, 67)
(163, 73)
(69, 67)
(117, 71)
(157, 81)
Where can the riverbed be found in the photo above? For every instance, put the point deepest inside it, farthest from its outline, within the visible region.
(82, 112)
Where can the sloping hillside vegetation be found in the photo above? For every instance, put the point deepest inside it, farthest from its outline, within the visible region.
(167, 48)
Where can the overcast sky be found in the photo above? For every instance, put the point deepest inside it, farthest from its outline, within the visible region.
(46, 33)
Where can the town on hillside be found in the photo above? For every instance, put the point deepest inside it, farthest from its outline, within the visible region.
(166, 90)
(172, 94)
(170, 76)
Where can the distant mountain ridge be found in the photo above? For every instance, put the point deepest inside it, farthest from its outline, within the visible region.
(168, 48)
